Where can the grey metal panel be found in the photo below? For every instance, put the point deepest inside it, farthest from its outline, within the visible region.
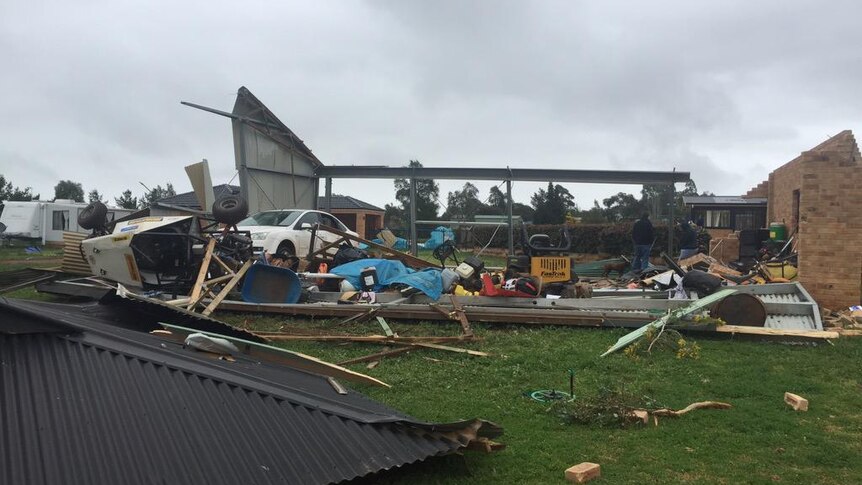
(272, 176)
(276, 169)
(520, 174)
(791, 322)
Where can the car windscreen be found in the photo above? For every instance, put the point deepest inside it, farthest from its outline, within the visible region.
(271, 218)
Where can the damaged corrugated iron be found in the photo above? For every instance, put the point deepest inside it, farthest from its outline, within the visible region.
(88, 402)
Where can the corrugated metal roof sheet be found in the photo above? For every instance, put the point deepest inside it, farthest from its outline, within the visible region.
(109, 405)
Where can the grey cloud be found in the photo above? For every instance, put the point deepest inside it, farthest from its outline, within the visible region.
(725, 90)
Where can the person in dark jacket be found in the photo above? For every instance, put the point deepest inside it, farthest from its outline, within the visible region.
(688, 241)
(643, 237)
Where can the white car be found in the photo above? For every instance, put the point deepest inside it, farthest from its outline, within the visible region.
(289, 231)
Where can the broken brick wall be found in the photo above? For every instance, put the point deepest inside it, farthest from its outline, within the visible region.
(830, 245)
(782, 182)
(760, 190)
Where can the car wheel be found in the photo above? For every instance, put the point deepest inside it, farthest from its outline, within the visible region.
(93, 216)
(287, 252)
(230, 209)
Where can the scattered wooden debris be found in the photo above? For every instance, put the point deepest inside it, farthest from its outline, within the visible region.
(377, 356)
(278, 336)
(665, 412)
(282, 356)
(336, 385)
(583, 472)
(778, 332)
(486, 445)
(641, 414)
(797, 402)
(321, 254)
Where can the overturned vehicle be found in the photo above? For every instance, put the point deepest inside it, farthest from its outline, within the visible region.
(164, 252)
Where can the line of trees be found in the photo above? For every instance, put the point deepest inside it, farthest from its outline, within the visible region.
(68, 189)
(550, 205)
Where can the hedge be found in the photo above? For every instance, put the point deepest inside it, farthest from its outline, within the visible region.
(586, 238)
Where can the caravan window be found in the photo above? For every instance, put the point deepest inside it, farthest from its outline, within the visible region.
(60, 221)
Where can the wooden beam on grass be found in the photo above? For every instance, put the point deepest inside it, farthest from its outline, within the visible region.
(777, 332)
(279, 337)
(284, 357)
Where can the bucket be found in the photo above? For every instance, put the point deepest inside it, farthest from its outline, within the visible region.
(777, 231)
(270, 284)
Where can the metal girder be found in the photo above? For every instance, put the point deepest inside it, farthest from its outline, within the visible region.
(517, 174)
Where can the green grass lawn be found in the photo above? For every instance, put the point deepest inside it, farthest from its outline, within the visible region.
(760, 440)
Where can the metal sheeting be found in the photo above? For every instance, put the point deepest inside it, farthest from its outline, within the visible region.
(22, 278)
(109, 405)
(276, 169)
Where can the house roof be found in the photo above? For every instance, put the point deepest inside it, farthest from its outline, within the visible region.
(348, 202)
(189, 200)
(723, 200)
(85, 401)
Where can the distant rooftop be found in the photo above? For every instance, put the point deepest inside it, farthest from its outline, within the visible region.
(188, 200)
(347, 202)
(722, 200)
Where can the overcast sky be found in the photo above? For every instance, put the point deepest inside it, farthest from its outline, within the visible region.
(726, 90)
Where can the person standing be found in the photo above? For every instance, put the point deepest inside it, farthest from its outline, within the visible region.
(687, 242)
(643, 237)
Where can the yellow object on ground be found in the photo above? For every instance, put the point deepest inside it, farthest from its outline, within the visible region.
(781, 270)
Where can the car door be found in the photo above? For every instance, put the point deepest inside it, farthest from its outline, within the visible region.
(303, 239)
(330, 221)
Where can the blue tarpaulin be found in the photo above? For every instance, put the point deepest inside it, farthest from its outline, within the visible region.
(427, 281)
(438, 235)
(400, 244)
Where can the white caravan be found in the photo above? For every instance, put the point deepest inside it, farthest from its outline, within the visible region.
(46, 221)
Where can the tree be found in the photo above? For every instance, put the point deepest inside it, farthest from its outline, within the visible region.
(552, 204)
(594, 215)
(526, 212)
(496, 198)
(464, 204)
(12, 193)
(126, 201)
(427, 193)
(394, 217)
(155, 194)
(66, 189)
(94, 196)
(623, 206)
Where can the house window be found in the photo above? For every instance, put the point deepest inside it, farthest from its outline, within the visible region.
(717, 219)
(60, 220)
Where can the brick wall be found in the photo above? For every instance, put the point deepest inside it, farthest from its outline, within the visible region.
(760, 190)
(782, 182)
(829, 180)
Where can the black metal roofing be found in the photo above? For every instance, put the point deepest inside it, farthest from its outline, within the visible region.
(89, 403)
(347, 202)
(190, 201)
